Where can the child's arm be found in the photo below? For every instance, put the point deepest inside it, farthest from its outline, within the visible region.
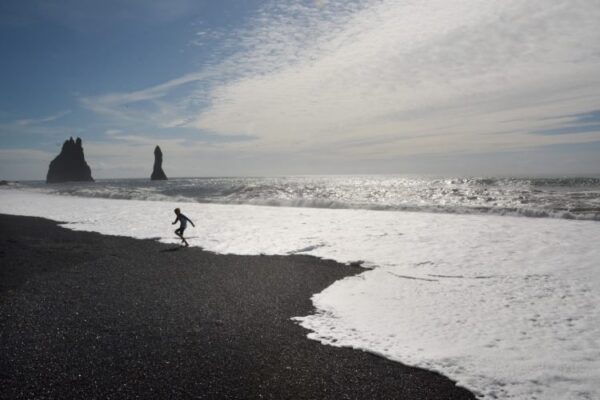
(191, 222)
(174, 222)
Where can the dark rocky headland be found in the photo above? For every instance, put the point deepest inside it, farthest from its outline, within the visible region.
(157, 173)
(70, 165)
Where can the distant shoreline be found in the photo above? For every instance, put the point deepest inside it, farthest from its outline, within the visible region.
(89, 315)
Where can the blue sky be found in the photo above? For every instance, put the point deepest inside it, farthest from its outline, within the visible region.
(236, 87)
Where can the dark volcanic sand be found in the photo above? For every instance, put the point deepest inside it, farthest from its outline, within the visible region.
(88, 316)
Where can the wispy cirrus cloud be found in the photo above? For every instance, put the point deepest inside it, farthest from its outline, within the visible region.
(134, 106)
(387, 78)
(40, 127)
(426, 75)
(43, 120)
(572, 124)
(24, 154)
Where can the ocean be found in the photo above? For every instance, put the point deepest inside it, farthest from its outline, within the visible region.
(569, 198)
(493, 282)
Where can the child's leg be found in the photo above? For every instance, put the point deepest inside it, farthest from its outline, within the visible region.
(180, 234)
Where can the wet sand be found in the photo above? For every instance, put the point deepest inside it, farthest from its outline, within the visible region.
(84, 315)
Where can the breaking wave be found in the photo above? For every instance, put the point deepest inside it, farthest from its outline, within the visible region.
(569, 198)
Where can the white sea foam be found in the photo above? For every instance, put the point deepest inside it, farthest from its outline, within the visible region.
(506, 306)
(568, 198)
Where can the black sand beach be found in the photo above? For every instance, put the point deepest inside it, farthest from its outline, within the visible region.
(88, 316)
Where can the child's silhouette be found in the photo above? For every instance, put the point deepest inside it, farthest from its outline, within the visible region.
(183, 220)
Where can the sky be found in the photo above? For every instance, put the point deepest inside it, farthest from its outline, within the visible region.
(258, 87)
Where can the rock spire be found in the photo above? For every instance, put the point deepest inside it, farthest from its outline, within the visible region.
(157, 173)
(70, 164)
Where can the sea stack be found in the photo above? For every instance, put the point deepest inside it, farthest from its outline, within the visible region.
(158, 174)
(70, 164)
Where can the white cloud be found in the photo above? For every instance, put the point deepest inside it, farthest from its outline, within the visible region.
(405, 71)
(116, 105)
(34, 127)
(113, 132)
(25, 155)
(388, 78)
(37, 121)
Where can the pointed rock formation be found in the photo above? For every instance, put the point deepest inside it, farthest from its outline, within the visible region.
(70, 164)
(158, 174)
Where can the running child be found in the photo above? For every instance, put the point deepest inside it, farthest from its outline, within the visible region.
(183, 220)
